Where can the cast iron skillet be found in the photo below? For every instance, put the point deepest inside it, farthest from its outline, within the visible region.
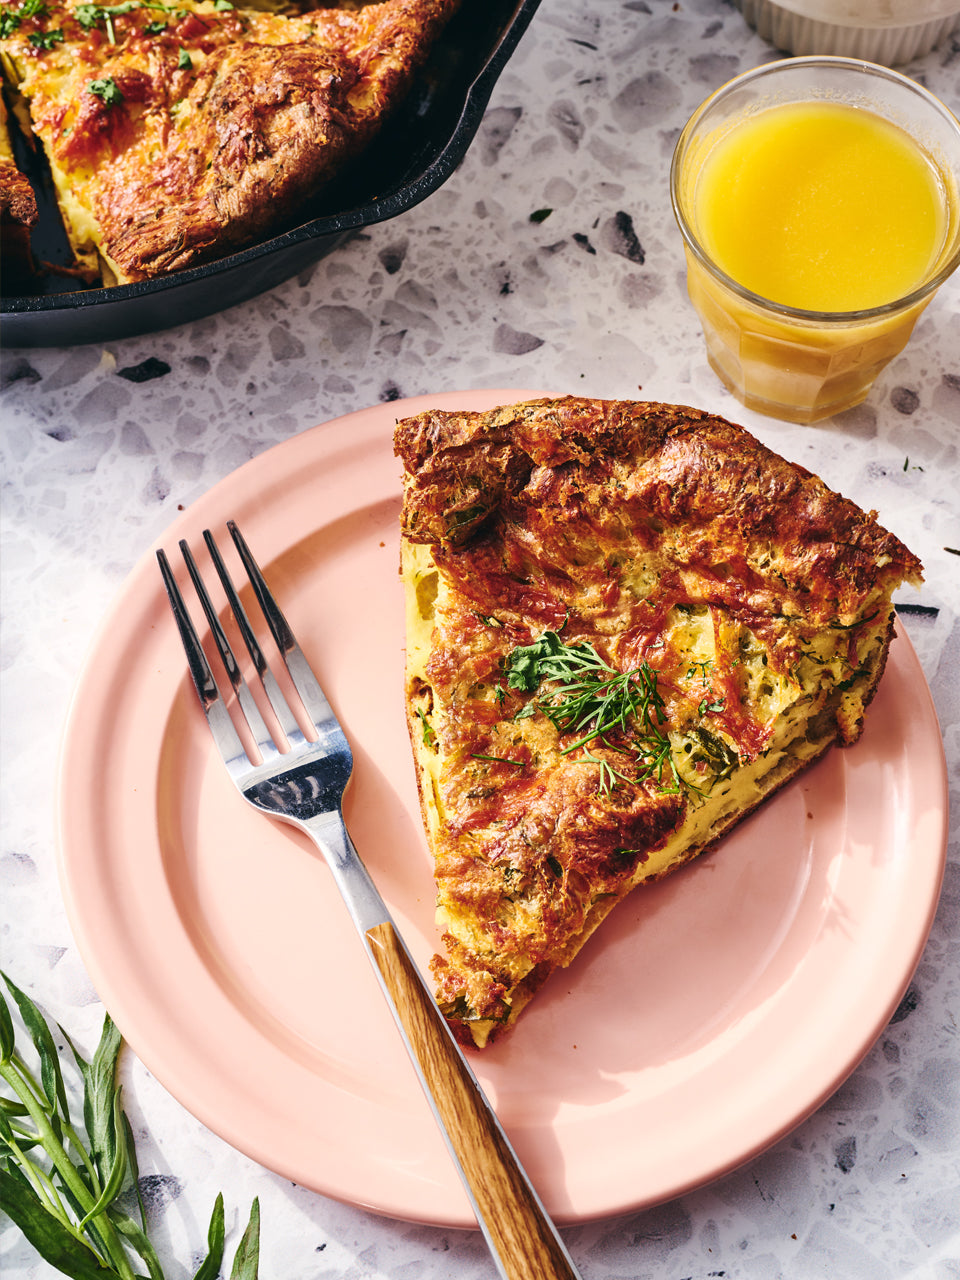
(414, 156)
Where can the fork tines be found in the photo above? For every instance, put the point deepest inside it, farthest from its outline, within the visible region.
(268, 743)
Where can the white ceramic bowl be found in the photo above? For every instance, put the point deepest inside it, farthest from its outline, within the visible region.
(886, 31)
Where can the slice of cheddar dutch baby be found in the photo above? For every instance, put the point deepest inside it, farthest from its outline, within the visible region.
(627, 625)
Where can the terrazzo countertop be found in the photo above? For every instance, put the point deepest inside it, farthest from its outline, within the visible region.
(102, 446)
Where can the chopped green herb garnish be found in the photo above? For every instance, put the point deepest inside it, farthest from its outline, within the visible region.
(11, 18)
(549, 658)
(705, 707)
(608, 775)
(184, 61)
(587, 697)
(429, 737)
(107, 89)
(45, 39)
(519, 764)
(701, 669)
(90, 15)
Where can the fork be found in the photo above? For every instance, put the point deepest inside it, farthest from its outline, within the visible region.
(301, 781)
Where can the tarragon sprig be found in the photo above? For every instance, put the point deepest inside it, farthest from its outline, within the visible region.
(60, 1190)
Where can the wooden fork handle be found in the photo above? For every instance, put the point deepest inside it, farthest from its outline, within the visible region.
(520, 1234)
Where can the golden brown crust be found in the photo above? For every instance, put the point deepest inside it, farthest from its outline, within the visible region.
(18, 213)
(18, 205)
(748, 596)
(710, 494)
(221, 120)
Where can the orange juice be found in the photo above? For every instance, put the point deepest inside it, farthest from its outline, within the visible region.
(818, 202)
(821, 206)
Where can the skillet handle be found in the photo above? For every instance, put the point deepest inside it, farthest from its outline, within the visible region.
(523, 1240)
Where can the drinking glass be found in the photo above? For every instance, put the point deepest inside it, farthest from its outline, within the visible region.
(782, 360)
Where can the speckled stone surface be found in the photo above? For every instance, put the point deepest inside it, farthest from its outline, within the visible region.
(102, 446)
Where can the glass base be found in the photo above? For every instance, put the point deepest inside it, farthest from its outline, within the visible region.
(802, 414)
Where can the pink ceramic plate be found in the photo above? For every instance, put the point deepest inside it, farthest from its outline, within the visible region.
(708, 1016)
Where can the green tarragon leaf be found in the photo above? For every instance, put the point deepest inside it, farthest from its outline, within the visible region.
(100, 1094)
(246, 1259)
(7, 1034)
(63, 1198)
(51, 1239)
(210, 1267)
(51, 1077)
(114, 1180)
(136, 1238)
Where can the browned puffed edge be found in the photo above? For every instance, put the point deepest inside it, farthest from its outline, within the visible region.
(693, 471)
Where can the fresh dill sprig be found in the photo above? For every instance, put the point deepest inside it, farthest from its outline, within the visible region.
(588, 697)
(608, 774)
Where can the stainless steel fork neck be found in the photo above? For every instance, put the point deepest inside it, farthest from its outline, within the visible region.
(363, 901)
